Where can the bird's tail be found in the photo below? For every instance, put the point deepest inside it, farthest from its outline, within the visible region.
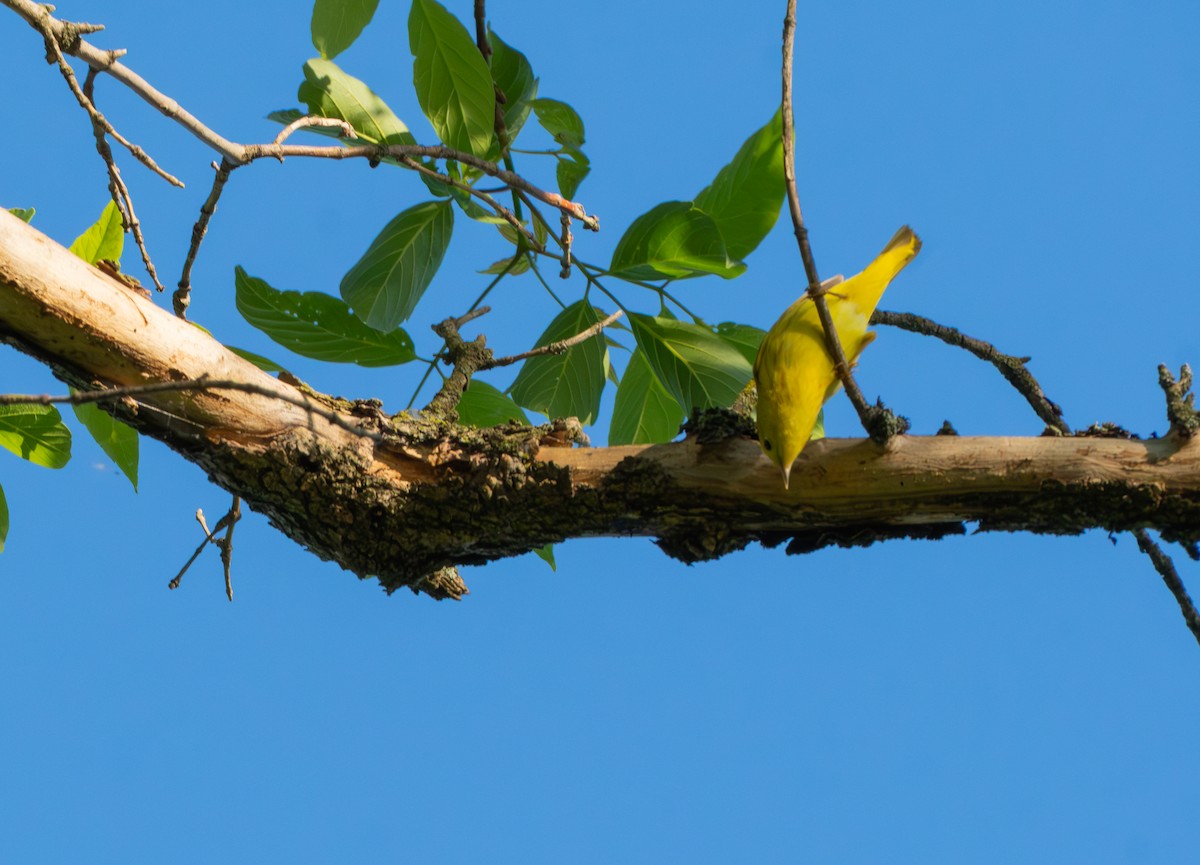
(866, 288)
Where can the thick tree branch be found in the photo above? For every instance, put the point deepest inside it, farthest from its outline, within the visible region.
(413, 498)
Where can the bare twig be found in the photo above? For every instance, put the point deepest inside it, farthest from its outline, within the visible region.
(209, 538)
(565, 242)
(67, 35)
(500, 210)
(312, 120)
(226, 544)
(182, 298)
(1166, 569)
(877, 421)
(1012, 368)
(202, 383)
(83, 95)
(558, 347)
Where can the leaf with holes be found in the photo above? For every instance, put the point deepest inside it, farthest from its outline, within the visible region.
(567, 384)
(35, 433)
(388, 281)
(453, 83)
(317, 325)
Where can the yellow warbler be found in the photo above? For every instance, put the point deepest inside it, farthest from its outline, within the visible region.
(794, 371)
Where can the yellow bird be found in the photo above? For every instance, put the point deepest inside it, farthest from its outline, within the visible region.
(794, 372)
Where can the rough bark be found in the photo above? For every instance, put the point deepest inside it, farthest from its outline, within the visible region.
(415, 496)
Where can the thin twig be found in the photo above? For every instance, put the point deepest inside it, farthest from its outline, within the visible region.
(182, 298)
(1012, 368)
(83, 95)
(312, 120)
(116, 186)
(399, 152)
(226, 544)
(202, 383)
(67, 35)
(1166, 569)
(869, 416)
(500, 210)
(208, 539)
(559, 347)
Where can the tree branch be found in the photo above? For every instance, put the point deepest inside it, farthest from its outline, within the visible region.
(406, 500)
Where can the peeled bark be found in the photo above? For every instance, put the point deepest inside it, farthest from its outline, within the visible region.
(413, 497)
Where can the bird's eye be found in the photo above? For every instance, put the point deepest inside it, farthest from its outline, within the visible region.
(767, 444)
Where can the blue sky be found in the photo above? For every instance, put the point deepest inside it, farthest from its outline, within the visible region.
(983, 699)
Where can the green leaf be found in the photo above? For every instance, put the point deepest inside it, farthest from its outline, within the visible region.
(317, 325)
(744, 337)
(388, 281)
(819, 428)
(546, 554)
(698, 368)
(673, 240)
(567, 384)
(105, 239)
(25, 214)
(484, 406)
(330, 92)
(337, 23)
(514, 76)
(745, 197)
(263, 363)
(560, 120)
(35, 433)
(508, 267)
(572, 169)
(118, 440)
(453, 83)
(3, 519)
(644, 412)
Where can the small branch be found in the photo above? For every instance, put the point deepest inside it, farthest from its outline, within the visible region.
(500, 210)
(1012, 368)
(182, 298)
(1181, 408)
(116, 186)
(399, 152)
(68, 35)
(202, 383)
(879, 423)
(467, 358)
(312, 120)
(209, 538)
(226, 544)
(559, 347)
(54, 54)
(1166, 569)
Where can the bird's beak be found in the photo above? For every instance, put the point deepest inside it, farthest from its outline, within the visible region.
(787, 474)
